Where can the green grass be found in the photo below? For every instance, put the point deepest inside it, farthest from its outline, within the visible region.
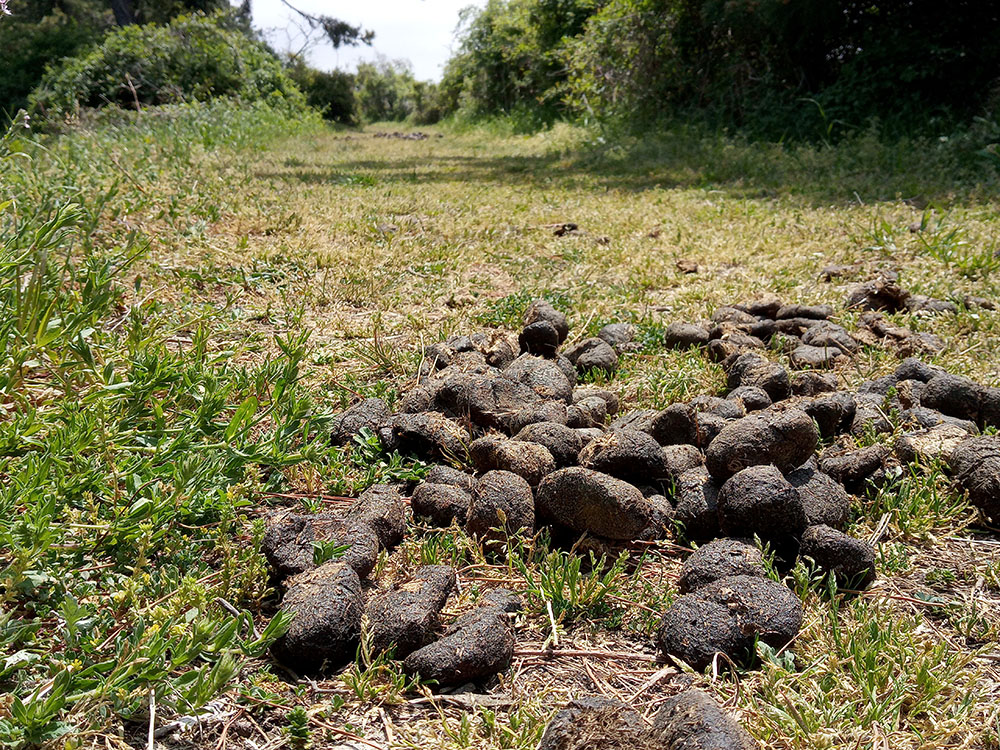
(572, 585)
(187, 297)
(920, 504)
(139, 434)
(864, 671)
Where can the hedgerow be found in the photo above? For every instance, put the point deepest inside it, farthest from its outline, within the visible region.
(194, 58)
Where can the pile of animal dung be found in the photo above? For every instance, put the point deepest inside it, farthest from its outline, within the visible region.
(517, 445)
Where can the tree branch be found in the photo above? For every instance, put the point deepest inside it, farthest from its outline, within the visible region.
(340, 33)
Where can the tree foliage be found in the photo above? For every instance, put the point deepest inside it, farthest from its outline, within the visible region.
(337, 32)
(383, 90)
(194, 58)
(40, 33)
(511, 57)
(386, 90)
(909, 63)
(776, 67)
(164, 11)
(331, 93)
(37, 34)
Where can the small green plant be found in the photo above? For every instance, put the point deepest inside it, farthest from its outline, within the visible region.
(768, 555)
(940, 577)
(557, 578)
(783, 660)
(807, 579)
(991, 576)
(324, 551)
(674, 375)
(521, 730)
(893, 557)
(382, 357)
(367, 454)
(451, 546)
(508, 312)
(919, 503)
(297, 728)
(882, 236)
(951, 245)
(377, 677)
(974, 622)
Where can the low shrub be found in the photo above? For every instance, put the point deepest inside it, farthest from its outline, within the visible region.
(386, 90)
(29, 45)
(194, 58)
(329, 92)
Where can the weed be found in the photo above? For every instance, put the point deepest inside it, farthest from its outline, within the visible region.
(508, 312)
(882, 236)
(556, 578)
(297, 728)
(326, 551)
(806, 579)
(940, 577)
(383, 358)
(146, 462)
(951, 245)
(893, 557)
(918, 504)
(376, 678)
(451, 546)
(675, 376)
(991, 576)
(521, 729)
(869, 669)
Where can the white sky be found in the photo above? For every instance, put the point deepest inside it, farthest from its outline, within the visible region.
(421, 31)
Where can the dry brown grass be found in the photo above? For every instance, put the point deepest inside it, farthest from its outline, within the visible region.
(417, 239)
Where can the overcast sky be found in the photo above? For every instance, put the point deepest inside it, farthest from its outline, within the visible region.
(421, 31)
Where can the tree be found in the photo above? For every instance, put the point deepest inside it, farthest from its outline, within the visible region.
(338, 33)
(510, 57)
(127, 12)
(42, 32)
(39, 33)
(124, 12)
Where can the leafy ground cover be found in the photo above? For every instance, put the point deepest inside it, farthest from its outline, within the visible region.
(190, 295)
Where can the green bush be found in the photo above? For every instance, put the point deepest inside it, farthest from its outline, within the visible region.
(194, 58)
(387, 91)
(510, 60)
(163, 11)
(329, 92)
(36, 37)
(812, 69)
(917, 66)
(626, 64)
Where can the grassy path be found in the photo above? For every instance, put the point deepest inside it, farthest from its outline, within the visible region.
(284, 276)
(430, 234)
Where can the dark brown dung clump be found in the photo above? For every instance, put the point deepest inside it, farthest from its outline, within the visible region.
(326, 603)
(405, 617)
(479, 645)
